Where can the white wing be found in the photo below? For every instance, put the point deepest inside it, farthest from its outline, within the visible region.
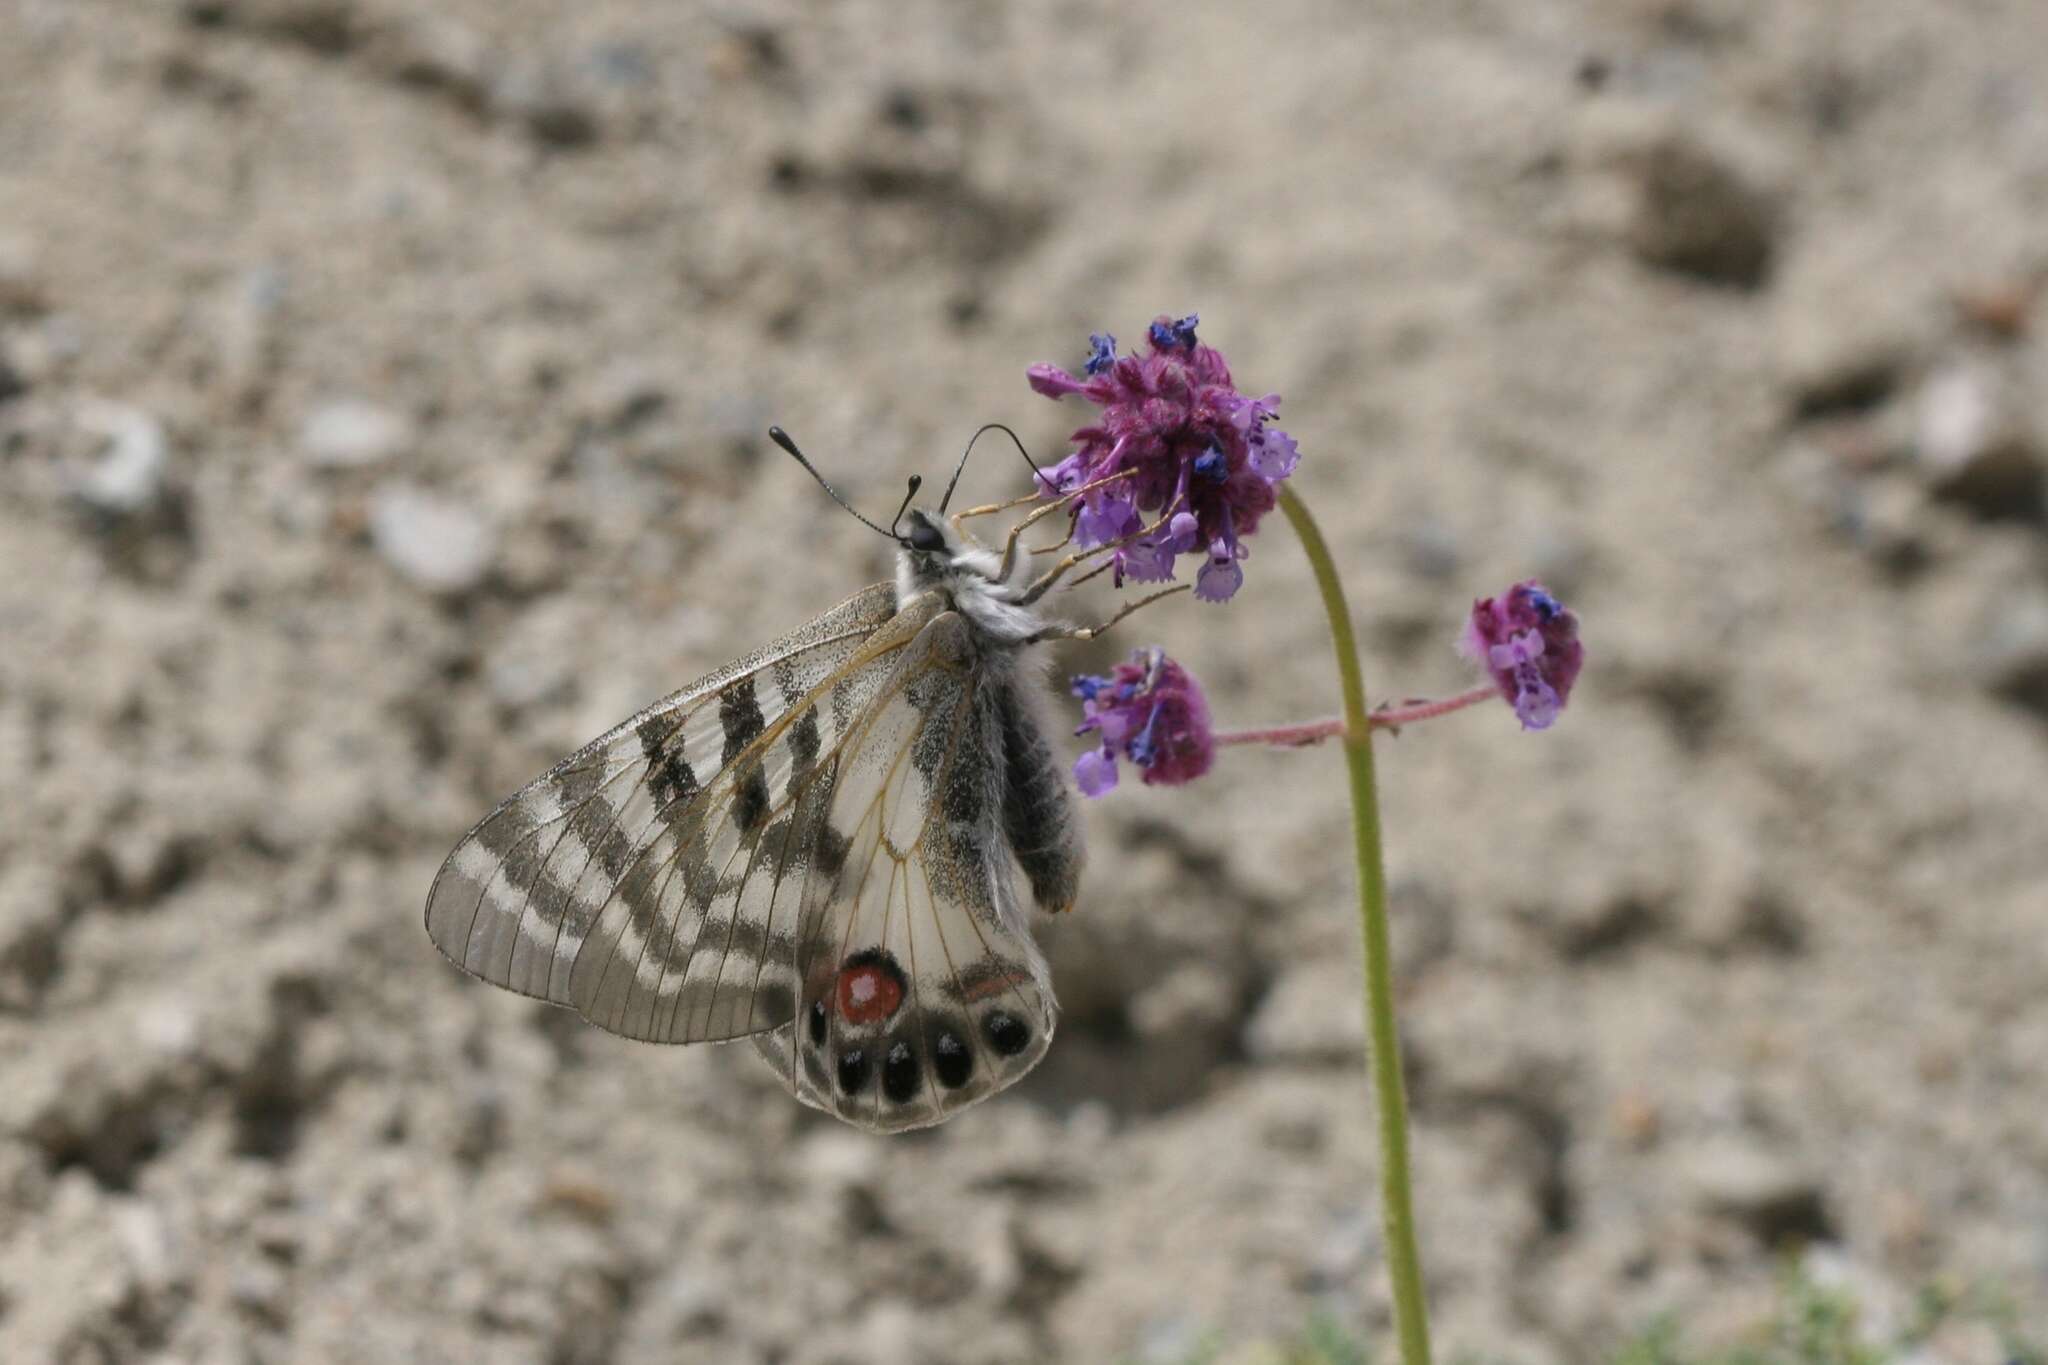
(651, 878)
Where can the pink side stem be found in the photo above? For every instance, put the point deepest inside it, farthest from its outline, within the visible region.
(1383, 718)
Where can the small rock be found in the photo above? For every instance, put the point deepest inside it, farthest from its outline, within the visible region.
(21, 284)
(835, 1158)
(350, 433)
(146, 1245)
(627, 393)
(1975, 450)
(1584, 928)
(621, 63)
(1310, 1017)
(541, 98)
(439, 544)
(34, 919)
(1636, 1119)
(2000, 310)
(128, 478)
(2012, 654)
(688, 1303)
(13, 384)
(1887, 518)
(167, 1027)
(535, 661)
(244, 322)
(1776, 1198)
(888, 1332)
(1844, 332)
(1698, 215)
(262, 1289)
(432, 52)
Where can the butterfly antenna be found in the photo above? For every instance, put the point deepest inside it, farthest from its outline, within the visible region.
(1038, 473)
(781, 438)
(916, 482)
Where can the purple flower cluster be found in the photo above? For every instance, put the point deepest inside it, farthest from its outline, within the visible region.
(1529, 643)
(1149, 711)
(1174, 424)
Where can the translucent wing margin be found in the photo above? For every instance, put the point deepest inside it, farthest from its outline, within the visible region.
(920, 990)
(676, 844)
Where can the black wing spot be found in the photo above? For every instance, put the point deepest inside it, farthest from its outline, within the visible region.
(952, 1059)
(828, 854)
(853, 1070)
(901, 1075)
(670, 778)
(817, 1023)
(739, 712)
(804, 741)
(1006, 1033)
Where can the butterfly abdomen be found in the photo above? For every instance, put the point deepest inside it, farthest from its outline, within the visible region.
(1039, 819)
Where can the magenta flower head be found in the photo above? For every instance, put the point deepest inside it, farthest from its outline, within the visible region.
(1150, 711)
(1529, 643)
(1173, 423)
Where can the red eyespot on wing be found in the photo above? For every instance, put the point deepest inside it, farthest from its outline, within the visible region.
(869, 993)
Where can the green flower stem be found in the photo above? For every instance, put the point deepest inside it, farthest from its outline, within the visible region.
(1404, 1265)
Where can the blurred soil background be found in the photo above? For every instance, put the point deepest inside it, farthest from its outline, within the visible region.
(382, 398)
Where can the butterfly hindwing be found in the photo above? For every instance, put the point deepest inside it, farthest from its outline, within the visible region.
(920, 988)
(665, 831)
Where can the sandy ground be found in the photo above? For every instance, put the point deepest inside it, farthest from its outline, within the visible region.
(382, 390)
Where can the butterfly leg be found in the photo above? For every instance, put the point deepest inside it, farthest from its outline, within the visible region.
(1043, 584)
(1090, 632)
(1065, 500)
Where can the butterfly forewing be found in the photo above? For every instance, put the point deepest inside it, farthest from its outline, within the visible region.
(651, 827)
(700, 943)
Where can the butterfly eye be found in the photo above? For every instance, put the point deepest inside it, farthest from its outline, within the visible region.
(925, 536)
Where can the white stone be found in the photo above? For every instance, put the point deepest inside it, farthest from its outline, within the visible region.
(436, 542)
(129, 475)
(350, 433)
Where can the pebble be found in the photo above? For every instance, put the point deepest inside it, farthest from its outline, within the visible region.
(21, 283)
(1767, 1192)
(1697, 214)
(837, 1159)
(534, 662)
(437, 543)
(128, 477)
(350, 433)
(1974, 449)
(145, 1243)
(13, 384)
(543, 100)
(262, 1288)
(1843, 334)
(688, 1302)
(2011, 656)
(432, 52)
(1309, 1017)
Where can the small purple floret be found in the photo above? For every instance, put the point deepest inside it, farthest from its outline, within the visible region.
(1095, 771)
(1150, 711)
(1529, 644)
(1174, 426)
(1174, 334)
(1101, 353)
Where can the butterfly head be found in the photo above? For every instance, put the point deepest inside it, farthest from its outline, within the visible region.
(935, 555)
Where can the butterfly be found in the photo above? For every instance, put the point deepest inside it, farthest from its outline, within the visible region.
(817, 847)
